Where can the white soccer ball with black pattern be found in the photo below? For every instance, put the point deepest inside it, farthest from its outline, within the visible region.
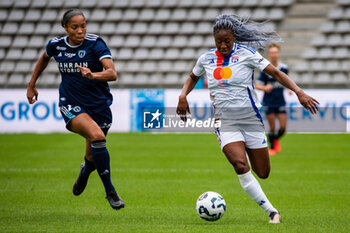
(210, 206)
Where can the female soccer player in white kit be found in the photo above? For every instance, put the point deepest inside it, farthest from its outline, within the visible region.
(229, 69)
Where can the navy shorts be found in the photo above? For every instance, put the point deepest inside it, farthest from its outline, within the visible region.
(103, 118)
(275, 109)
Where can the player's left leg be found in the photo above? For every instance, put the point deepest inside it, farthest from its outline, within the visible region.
(260, 162)
(282, 118)
(270, 117)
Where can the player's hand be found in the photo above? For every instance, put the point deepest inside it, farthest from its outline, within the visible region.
(183, 108)
(268, 88)
(32, 94)
(86, 72)
(308, 102)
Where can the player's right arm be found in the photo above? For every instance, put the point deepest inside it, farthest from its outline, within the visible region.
(197, 72)
(41, 64)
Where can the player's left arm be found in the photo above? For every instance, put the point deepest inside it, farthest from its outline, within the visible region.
(307, 101)
(108, 74)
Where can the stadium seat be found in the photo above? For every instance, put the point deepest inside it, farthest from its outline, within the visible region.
(125, 54)
(105, 4)
(6, 4)
(347, 13)
(98, 15)
(341, 53)
(165, 66)
(244, 12)
(171, 79)
(301, 66)
(340, 78)
(132, 41)
(9, 28)
(171, 28)
(319, 41)
(334, 40)
(179, 41)
(204, 28)
(186, 3)
(38, 4)
(13, 54)
(15, 79)
(345, 65)
(148, 66)
(146, 15)
(202, 3)
(71, 4)
(5, 41)
(332, 65)
(16, 15)
(182, 66)
(325, 53)
(195, 41)
(260, 14)
(3, 79)
(322, 79)
(267, 3)
(187, 28)
(188, 53)
(148, 41)
(141, 79)
(164, 41)
(130, 15)
(343, 26)
(107, 29)
(133, 66)
(317, 65)
(154, 3)
(88, 4)
(30, 54)
(172, 54)
(116, 41)
(7, 66)
(123, 28)
(137, 3)
(21, 4)
(162, 15)
(125, 79)
(335, 13)
(195, 15)
(344, 2)
(169, 3)
(55, 4)
(309, 53)
(218, 3)
(209, 42)
(155, 28)
(20, 42)
(250, 3)
(139, 28)
(42, 28)
(3, 15)
(210, 14)
(276, 14)
(141, 54)
(36, 42)
(284, 3)
(156, 54)
(327, 27)
(114, 15)
(155, 79)
(178, 15)
(2, 54)
(49, 15)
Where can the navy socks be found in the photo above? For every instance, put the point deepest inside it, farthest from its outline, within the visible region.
(101, 160)
(88, 168)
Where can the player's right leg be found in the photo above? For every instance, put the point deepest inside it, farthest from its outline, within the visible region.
(84, 125)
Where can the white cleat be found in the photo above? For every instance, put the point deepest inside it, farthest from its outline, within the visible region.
(275, 217)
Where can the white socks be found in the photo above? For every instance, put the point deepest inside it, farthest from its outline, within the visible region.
(252, 187)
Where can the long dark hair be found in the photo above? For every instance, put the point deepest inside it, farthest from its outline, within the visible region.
(246, 31)
(69, 14)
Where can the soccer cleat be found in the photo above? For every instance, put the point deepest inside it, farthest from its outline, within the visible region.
(114, 200)
(272, 152)
(277, 146)
(275, 217)
(80, 183)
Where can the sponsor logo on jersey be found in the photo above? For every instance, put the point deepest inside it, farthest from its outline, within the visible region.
(61, 48)
(212, 61)
(70, 55)
(71, 67)
(222, 73)
(260, 60)
(81, 53)
(60, 54)
(76, 109)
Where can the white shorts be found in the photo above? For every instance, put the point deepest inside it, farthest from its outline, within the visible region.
(252, 135)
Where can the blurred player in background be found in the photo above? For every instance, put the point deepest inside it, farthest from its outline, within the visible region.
(86, 65)
(273, 101)
(229, 69)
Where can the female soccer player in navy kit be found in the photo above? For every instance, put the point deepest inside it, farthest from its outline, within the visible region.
(229, 69)
(86, 65)
(273, 100)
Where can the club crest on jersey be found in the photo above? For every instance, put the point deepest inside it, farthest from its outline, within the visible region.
(234, 59)
(81, 53)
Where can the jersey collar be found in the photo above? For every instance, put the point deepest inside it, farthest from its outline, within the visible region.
(75, 46)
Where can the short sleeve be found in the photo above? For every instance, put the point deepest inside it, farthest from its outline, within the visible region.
(50, 49)
(198, 69)
(101, 50)
(258, 61)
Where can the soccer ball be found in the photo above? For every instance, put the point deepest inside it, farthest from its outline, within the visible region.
(210, 206)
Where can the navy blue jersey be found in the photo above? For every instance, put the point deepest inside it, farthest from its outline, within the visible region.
(275, 97)
(74, 88)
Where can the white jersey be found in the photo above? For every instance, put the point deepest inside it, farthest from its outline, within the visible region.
(230, 81)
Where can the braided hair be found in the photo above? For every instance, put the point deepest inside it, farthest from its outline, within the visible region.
(246, 31)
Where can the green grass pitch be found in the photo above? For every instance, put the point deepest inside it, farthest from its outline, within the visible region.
(160, 177)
